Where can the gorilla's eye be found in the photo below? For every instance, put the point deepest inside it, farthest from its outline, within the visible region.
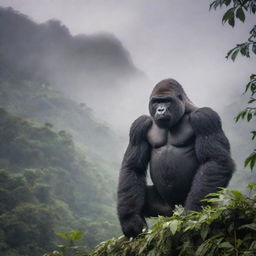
(161, 100)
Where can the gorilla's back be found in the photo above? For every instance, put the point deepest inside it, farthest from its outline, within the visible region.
(173, 161)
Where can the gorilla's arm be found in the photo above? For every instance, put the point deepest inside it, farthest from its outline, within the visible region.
(213, 152)
(132, 179)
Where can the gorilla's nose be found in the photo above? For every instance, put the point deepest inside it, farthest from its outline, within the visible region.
(160, 110)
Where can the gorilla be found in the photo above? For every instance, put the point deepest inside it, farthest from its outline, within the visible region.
(187, 152)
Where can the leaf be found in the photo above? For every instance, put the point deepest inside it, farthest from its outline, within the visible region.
(247, 87)
(250, 160)
(250, 226)
(227, 2)
(244, 113)
(174, 226)
(212, 5)
(204, 231)
(253, 9)
(240, 14)
(240, 115)
(253, 245)
(63, 235)
(229, 14)
(247, 161)
(252, 163)
(231, 22)
(234, 54)
(76, 234)
(215, 4)
(225, 245)
(251, 100)
(254, 48)
(252, 76)
(249, 117)
(244, 49)
(236, 193)
(202, 249)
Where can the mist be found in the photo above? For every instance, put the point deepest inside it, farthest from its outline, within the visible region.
(74, 75)
(163, 39)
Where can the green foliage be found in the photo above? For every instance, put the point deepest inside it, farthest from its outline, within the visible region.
(71, 249)
(51, 108)
(47, 185)
(244, 48)
(71, 237)
(226, 228)
(248, 113)
(238, 10)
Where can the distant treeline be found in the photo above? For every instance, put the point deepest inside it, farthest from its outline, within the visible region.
(46, 185)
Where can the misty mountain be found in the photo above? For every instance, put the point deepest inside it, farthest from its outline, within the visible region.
(27, 97)
(71, 154)
(84, 67)
(38, 58)
(49, 50)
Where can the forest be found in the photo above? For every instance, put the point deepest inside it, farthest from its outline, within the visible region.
(54, 170)
(59, 159)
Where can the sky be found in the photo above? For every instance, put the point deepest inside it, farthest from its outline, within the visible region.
(180, 39)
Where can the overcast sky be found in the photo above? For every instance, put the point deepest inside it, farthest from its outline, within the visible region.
(166, 38)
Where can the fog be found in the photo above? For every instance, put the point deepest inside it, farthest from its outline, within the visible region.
(167, 38)
(74, 74)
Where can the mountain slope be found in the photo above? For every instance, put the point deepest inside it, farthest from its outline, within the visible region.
(93, 69)
(27, 97)
(69, 62)
(47, 185)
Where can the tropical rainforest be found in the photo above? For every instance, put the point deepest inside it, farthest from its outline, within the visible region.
(56, 159)
(59, 161)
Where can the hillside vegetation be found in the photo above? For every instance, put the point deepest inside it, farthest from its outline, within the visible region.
(226, 230)
(47, 185)
(59, 164)
(23, 95)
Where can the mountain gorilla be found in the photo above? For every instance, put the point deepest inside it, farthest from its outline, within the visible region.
(188, 153)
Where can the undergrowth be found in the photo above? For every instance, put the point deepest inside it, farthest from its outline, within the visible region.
(226, 226)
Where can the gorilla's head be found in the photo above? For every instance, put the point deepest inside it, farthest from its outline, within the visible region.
(168, 103)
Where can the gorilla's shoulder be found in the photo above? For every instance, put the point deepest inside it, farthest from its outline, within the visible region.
(205, 121)
(139, 129)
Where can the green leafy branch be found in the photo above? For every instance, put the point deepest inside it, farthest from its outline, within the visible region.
(247, 114)
(226, 228)
(70, 249)
(237, 10)
(244, 48)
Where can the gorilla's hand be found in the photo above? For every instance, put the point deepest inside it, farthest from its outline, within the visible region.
(133, 225)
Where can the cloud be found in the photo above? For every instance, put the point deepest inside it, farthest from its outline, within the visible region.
(166, 38)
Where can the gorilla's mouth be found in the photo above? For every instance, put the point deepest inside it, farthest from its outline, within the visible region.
(163, 117)
(162, 121)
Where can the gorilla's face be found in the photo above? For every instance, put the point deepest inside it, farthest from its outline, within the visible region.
(166, 110)
(167, 103)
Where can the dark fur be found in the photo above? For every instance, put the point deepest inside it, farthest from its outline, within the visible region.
(189, 157)
(132, 179)
(213, 152)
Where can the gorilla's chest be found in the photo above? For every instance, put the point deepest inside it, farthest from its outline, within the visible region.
(173, 161)
(181, 135)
